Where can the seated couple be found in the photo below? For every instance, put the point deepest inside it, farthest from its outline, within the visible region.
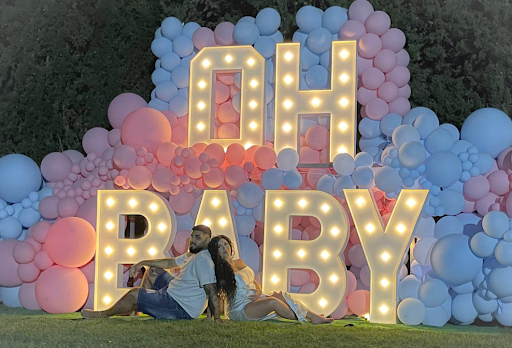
(207, 273)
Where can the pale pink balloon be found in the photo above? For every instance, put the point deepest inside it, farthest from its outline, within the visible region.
(192, 167)
(89, 270)
(67, 207)
(299, 277)
(223, 34)
(363, 65)
(87, 211)
(36, 245)
(226, 113)
(307, 288)
(214, 178)
(385, 60)
(171, 117)
(476, 187)
(9, 274)
(393, 39)
(376, 109)
(161, 179)
(228, 131)
(499, 182)
(139, 177)
(317, 137)
(483, 204)
(27, 296)
(147, 128)
(360, 10)
(373, 78)
(221, 92)
(61, 290)
(114, 136)
(265, 157)
(199, 147)
(56, 166)
(24, 253)
(122, 105)
(75, 156)
(363, 112)
(71, 242)
(400, 106)
(314, 277)
(28, 272)
(181, 241)
(312, 231)
(378, 23)
(359, 302)
(226, 78)
(42, 260)
(124, 156)
(179, 135)
(388, 92)
(351, 283)
(313, 176)
(48, 207)
(182, 202)
(403, 58)
(216, 151)
(369, 45)
(352, 30)
(405, 92)
(400, 76)
(249, 153)
(341, 311)
(203, 37)
(95, 140)
(364, 95)
(235, 154)
(89, 304)
(235, 176)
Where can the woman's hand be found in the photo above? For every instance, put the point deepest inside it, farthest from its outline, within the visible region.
(256, 294)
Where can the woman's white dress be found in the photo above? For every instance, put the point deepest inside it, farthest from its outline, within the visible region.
(245, 287)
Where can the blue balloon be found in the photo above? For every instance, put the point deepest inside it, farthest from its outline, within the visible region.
(166, 90)
(343, 182)
(250, 253)
(293, 179)
(269, 68)
(439, 140)
(325, 59)
(326, 183)
(19, 176)
(307, 58)
(277, 37)
(408, 287)
(190, 28)
(448, 225)
(364, 143)
(249, 195)
(287, 159)
(411, 154)
(158, 64)
(425, 124)
(158, 32)
(405, 133)
(482, 245)
(28, 217)
(183, 92)
(10, 228)
(171, 27)
(443, 169)
(183, 46)
(485, 163)
(411, 311)
(363, 159)
(180, 77)
(236, 102)
(247, 19)
(160, 75)
(300, 36)
(272, 179)
(333, 18)
(317, 77)
(363, 177)
(246, 33)
(158, 104)
(268, 21)
(179, 106)
(489, 129)
(344, 164)
(244, 224)
(265, 46)
(387, 179)
(389, 123)
(495, 224)
(308, 18)
(161, 46)
(413, 114)
(460, 146)
(433, 293)
(170, 61)
(452, 129)
(369, 128)
(319, 40)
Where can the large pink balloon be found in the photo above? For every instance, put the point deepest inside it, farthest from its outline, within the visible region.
(182, 203)
(369, 45)
(235, 154)
(147, 128)
(385, 60)
(203, 37)
(236, 176)
(139, 177)
(87, 211)
(223, 34)
(499, 182)
(359, 302)
(67, 207)
(71, 242)
(161, 179)
(215, 151)
(360, 10)
(9, 274)
(165, 153)
(226, 113)
(228, 131)
(373, 78)
(61, 290)
(214, 178)
(24, 253)
(48, 207)
(265, 157)
(122, 105)
(27, 296)
(317, 137)
(376, 109)
(124, 157)
(378, 23)
(56, 166)
(95, 141)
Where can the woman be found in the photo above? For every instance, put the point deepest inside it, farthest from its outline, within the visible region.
(235, 281)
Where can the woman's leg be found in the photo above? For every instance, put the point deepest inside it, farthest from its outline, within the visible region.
(266, 305)
(312, 316)
(124, 306)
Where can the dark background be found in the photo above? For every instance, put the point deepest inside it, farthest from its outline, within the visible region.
(63, 61)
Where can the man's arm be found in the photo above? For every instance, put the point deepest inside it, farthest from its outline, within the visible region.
(161, 263)
(213, 300)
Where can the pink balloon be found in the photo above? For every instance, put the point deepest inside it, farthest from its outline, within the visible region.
(87, 211)
(192, 167)
(317, 137)
(385, 60)
(228, 131)
(351, 283)
(313, 176)
(352, 30)
(312, 231)
(393, 39)
(28, 272)
(405, 92)
(307, 288)
(74, 155)
(499, 182)
(221, 92)
(139, 177)
(364, 95)
(359, 302)
(400, 106)
(9, 275)
(388, 92)
(48, 207)
(67, 207)
(61, 290)
(363, 65)
(114, 136)
(235, 154)
(95, 141)
(403, 58)
(378, 23)
(171, 117)
(226, 78)
(265, 157)
(214, 178)
(341, 311)
(71, 242)
(124, 156)
(369, 45)
(376, 109)
(35, 244)
(89, 304)
(299, 277)
(477, 187)
(42, 260)
(56, 166)
(483, 204)
(24, 253)
(89, 270)
(27, 296)
(215, 151)
(181, 241)
(179, 135)
(182, 202)
(360, 10)
(227, 113)
(373, 78)
(203, 37)
(122, 105)
(223, 34)
(161, 179)
(145, 127)
(400, 76)
(236, 176)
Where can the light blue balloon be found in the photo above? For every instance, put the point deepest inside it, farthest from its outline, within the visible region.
(485, 163)
(277, 37)
(183, 92)
(160, 75)
(460, 146)
(28, 217)
(411, 154)
(158, 104)
(452, 201)
(344, 164)
(452, 129)
(272, 179)
(333, 18)
(287, 159)
(46, 191)
(184, 222)
(10, 228)
(389, 123)
(489, 129)
(269, 69)
(236, 102)
(170, 61)
(246, 33)
(433, 293)
(293, 179)
(482, 245)
(250, 253)
(325, 60)
(363, 177)
(265, 46)
(363, 159)
(368, 128)
(308, 18)
(158, 32)
(405, 133)
(190, 28)
(171, 27)
(495, 224)
(439, 140)
(319, 40)
(183, 46)
(244, 224)
(179, 106)
(503, 253)
(317, 77)
(166, 90)
(249, 195)
(378, 142)
(326, 184)
(409, 287)
(425, 124)
(160, 46)
(443, 168)
(19, 176)
(258, 213)
(448, 225)
(436, 316)
(413, 114)
(268, 21)
(482, 305)
(157, 64)
(343, 182)
(307, 58)
(247, 19)
(411, 311)
(463, 309)
(180, 77)
(387, 179)
(300, 36)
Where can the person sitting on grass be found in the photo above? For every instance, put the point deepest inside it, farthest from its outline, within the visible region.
(235, 281)
(183, 297)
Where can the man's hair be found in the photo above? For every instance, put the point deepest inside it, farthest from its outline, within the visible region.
(203, 228)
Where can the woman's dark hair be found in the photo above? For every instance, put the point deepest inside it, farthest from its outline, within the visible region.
(226, 283)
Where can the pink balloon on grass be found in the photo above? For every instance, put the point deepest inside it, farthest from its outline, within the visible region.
(373, 78)
(378, 23)
(364, 95)
(388, 92)
(122, 105)
(56, 166)
(317, 137)
(203, 37)
(147, 128)
(376, 109)
(27, 296)
(235, 154)
(352, 30)
(9, 275)
(24, 253)
(393, 39)
(95, 140)
(223, 34)
(359, 302)
(139, 177)
(369, 45)
(265, 157)
(341, 311)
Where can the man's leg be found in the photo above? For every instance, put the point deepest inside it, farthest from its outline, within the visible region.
(126, 305)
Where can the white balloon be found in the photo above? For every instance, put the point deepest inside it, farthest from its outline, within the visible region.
(411, 311)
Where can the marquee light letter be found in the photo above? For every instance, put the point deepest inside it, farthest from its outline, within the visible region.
(113, 250)
(215, 212)
(384, 250)
(320, 255)
(202, 94)
(339, 101)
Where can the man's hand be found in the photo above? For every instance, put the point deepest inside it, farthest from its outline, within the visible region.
(256, 294)
(213, 300)
(134, 270)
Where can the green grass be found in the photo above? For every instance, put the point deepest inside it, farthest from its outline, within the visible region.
(22, 328)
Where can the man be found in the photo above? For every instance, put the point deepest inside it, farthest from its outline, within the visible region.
(183, 297)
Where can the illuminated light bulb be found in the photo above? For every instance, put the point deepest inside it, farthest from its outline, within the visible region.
(108, 250)
(152, 251)
(223, 222)
(342, 149)
(344, 102)
(153, 207)
(384, 282)
(288, 79)
(207, 222)
(110, 202)
(228, 58)
(287, 127)
(411, 202)
(277, 254)
(322, 302)
(132, 202)
(201, 105)
(206, 63)
(200, 126)
(110, 225)
(288, 56)
(370, 228)
(287, 103)
(360, 201)
(253, 104)
(215, 202)
(335, 231)
(278, 203)
(315, 102)
(301, 253)
(278, 229)
(303, 203)
(343, 126)
(251, 61)
(247, 145)
(344, 78)
(385, 256)
(107, 299)
(253, 83)
(161, 227)
(400, 228)
(253, 125)
(324, 254)
(344, 54)
(384, 309)
(334, 278)
(325, 208)
(274, 279)
(108, 275)
(130, 251)
(201, 84)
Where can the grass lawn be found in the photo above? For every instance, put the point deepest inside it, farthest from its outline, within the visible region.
(22, 328)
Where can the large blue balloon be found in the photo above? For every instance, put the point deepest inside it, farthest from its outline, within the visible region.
(319, 40)
(250, 253)
(265, 46)
(452, 201)
(439, 140)
(171, 27)
(425, 124)
(387, 179)
(405, 133)
(414, 113)
(272, 179)
(183, 46)
(443, 169)
(317, 77)
(333, 18)
(246, 33)
(268, 21)
(308, 18)
(249, 195)
(19, 176)
(161, 46)
(411, 154)
(369, 128)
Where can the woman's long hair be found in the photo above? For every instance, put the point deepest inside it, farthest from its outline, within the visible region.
(226, 283)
